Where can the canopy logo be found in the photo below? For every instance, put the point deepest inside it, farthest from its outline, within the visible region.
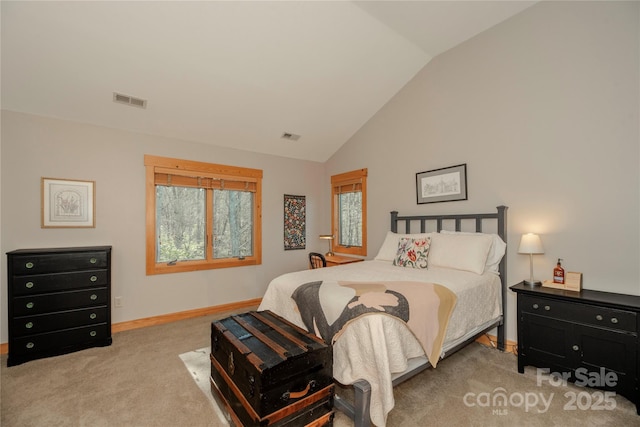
(499, 400)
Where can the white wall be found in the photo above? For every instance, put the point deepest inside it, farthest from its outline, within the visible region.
(35, 147)
(543, 109)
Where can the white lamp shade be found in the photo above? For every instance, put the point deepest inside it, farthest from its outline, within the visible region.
(530, 243)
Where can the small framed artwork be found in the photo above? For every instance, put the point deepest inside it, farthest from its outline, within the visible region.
(68, 203)
(295, 213)
(442, 185)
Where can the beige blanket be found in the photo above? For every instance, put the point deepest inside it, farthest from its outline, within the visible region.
(327, 308)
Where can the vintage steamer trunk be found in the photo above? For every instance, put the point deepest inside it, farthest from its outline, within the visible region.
(269, 372)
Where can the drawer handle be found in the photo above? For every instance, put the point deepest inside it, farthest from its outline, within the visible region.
(30, 345)
(547, 308)
(93, 260)
(535, 306)
(29, 325)
(93, 333)
(614, 320)
(92, 316)
(29, 264)
(93, 278)
(575, 347)
(28, 285)
(598, 317)
(93, 297)
(30, 305)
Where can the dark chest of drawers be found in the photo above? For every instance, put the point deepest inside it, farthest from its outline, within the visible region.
(581, 334)
(58, 301)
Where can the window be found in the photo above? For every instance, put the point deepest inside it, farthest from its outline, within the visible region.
(349, 212)
(201, 215)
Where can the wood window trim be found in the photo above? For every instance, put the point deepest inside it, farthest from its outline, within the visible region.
(165, 165)
(358, 180)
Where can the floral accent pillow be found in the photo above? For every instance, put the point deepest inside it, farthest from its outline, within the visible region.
(412, 252)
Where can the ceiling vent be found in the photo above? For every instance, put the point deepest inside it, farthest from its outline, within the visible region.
(290, 136)
(129, 100)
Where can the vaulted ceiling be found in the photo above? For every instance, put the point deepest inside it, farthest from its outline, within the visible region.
(229, 73)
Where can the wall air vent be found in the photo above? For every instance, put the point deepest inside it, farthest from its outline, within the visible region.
(290, 136)
(129, 100)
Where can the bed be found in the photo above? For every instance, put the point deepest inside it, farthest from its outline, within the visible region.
(374, 352)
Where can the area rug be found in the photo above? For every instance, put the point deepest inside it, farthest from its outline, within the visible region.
(199, 366)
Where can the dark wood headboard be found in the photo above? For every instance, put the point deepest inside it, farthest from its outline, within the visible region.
(501, 230)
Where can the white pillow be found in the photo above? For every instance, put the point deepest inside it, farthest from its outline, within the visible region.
(460, 251)
(389, 248)
(497, 251)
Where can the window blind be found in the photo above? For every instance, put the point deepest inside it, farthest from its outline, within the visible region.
(218, 183)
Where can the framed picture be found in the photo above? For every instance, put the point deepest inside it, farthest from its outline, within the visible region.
(295, 213)
(442, 185)
(68, 203)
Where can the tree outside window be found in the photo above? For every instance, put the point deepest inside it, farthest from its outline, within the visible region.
(201, 215)
(349, 212)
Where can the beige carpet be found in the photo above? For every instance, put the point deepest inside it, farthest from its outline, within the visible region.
(140, 381)
(465, 390)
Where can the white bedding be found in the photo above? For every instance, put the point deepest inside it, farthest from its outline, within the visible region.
(374, 347)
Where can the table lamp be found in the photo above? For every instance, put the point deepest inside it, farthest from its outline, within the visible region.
(530, 243)
(329, 238)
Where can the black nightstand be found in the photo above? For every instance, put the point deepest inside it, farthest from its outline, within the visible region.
(579, 333)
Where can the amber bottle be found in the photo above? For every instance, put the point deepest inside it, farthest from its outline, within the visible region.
(558, 273)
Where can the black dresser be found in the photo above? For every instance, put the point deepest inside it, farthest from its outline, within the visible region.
(59, 301)
(587, 335)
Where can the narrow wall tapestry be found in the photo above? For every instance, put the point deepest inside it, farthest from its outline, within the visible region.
(294, 222)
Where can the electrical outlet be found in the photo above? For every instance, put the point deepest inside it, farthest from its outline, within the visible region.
(118, 302)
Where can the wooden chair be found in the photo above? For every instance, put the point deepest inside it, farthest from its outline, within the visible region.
(317, 260)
